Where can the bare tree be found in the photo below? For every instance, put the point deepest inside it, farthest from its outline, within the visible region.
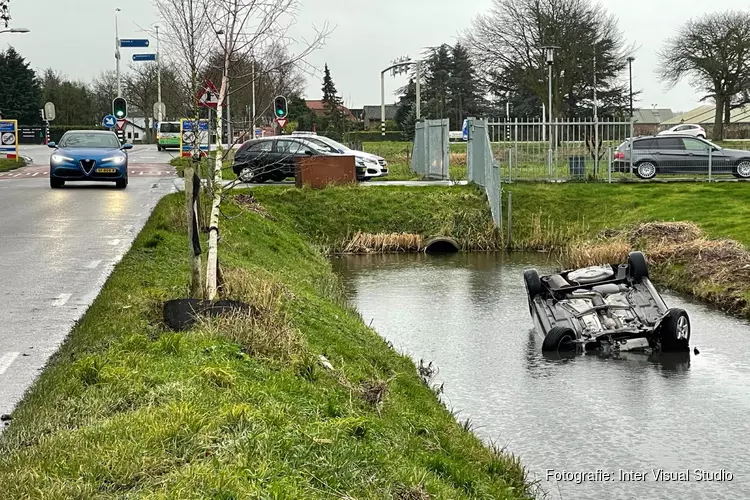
(506, 45)
(241, 26)
(714, 52)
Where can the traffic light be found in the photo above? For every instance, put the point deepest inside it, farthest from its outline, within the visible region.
(279, 106)
(120, 108)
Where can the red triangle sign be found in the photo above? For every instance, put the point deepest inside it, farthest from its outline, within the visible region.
(121, 124)
(281, 122)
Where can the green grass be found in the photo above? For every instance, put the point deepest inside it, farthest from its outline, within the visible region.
(205, 167)
(7, 165)
(241, 408)
(551, 214)
(398, 155)
(331, 217)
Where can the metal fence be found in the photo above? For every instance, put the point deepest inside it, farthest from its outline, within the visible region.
(559, 150)
(482, 167)
(431, 156)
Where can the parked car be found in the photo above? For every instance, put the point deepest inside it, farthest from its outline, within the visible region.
(376, 165)
(675, 154)
(686, 129)
(89, 155)
(275, 158)
(608, 308)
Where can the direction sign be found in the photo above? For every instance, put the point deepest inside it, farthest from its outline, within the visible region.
(208, 97)
(281, 122)
(109, 121)
(144, 57)
(133, 42)
(121, 124)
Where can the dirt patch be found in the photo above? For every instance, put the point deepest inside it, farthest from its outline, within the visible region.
(249, 202)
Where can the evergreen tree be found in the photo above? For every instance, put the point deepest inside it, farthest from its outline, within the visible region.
(406, 111)
(465, 89)
(332, 104)
(20, 92)
(437, 82)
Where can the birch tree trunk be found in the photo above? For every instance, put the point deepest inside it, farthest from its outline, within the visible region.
(196, 264)
(213, 228)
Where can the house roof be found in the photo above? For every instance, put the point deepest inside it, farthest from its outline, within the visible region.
(646, 115)
(704, 115)
(373, 112)
(318, 107)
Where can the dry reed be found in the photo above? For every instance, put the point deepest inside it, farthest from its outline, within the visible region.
(384, 243)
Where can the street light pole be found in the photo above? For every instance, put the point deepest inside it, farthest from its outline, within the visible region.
(253, 70)
(630, 71)
(15, 30)
(419, 90)
(382, 102)
(117, 53)
(549, 52)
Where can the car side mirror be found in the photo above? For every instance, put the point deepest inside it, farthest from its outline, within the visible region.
(127, 146)
(52, 145)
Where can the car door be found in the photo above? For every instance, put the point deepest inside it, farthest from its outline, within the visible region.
(257, 155)
(287, 151)
(697, 153)
(671, 155)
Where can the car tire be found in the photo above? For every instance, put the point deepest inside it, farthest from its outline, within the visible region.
(159, 148)
(533, 284)
(559, 339)
(637, 266)
(645, 170)
(674, 331)
(247, 175)
(56, 183)
(121, 184)
(742, 169)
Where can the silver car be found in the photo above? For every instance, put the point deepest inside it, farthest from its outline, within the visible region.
(679, 154)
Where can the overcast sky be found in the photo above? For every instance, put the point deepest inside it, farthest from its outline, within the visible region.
(77, 37)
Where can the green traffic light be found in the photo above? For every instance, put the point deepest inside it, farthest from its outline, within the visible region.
(279, 112)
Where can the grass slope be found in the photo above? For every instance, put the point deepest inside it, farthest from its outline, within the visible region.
(331, 217)
(242, 409)
(546, 215)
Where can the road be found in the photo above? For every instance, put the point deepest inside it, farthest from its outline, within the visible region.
(58, 248)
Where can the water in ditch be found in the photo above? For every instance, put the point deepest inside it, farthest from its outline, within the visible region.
(589, 428)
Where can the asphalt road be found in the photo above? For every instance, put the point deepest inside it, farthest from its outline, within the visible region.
(58, 248)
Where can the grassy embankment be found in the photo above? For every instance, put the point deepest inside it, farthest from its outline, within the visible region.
(7, 165)
(205, 167)
(241, 407)
(595, 223)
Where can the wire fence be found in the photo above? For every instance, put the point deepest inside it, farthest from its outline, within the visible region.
(431, 156)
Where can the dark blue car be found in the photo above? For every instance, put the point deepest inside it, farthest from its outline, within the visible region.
(89, 155)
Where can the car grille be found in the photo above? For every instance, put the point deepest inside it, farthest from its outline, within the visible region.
(87, 166)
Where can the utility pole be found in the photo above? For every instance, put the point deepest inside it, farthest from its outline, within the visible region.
(550, 57)
(419, 90)
(158, 75)
(630, 71)
(253, 71)
(117, 53)
(382, 102)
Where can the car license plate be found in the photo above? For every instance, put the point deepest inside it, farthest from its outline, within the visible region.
(106, 170)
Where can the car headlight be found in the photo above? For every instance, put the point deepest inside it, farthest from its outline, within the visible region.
(60, 158)
(360, 162)
(117, 160)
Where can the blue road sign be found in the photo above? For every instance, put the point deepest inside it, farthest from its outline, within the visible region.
(465, 130)
(144, 57)
(109, 121)
(131, 42)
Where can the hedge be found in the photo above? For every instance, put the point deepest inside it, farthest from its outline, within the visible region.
(373, 136)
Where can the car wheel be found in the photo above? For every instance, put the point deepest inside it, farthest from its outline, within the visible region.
(533, 285)
(637, 266)
(247, 175)
(674, 331)
(122, 183)
(56, 183)
(742, 170)
(159, 148)
(645, 170)
(559, 339)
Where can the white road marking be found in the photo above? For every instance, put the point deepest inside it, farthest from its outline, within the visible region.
(34, 174)
(114, 243)
(6, 360)
(93, 264)
(61, 299)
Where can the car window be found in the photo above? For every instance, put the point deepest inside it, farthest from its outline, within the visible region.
(644, 144)
(694, 145)
(670, 143)
(261, 146)
(322, 145)
(89, 140)
(288, 147)
(169, 128)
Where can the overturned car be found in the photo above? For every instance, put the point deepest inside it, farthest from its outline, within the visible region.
(609, 308)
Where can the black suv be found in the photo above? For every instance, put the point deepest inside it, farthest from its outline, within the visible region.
(275, 158)
(678, 154)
